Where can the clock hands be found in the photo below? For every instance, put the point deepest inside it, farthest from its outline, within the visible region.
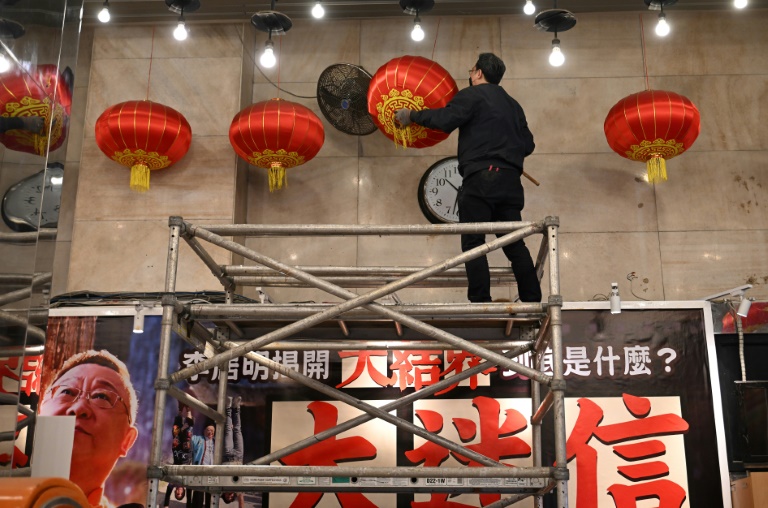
(454, 187)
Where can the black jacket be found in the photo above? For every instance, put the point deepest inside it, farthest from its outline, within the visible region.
(493, 130)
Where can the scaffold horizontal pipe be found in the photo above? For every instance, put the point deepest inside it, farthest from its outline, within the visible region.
(361, 229)
(362, 281)
(395, 271)
(502, 310)
(363, 472)
(367, 345)
(506, 501)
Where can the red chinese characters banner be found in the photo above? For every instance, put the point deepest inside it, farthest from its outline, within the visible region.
(643, 415)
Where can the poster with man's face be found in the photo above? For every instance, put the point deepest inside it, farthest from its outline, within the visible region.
(641, 421)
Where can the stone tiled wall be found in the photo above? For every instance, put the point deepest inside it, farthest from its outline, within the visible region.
(702, 231)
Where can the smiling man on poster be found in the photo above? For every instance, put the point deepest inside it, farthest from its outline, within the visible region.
(95, 387)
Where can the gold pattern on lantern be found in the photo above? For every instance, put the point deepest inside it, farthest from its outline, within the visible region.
(269, 159)
(658, 148)
(29, 106)
(152, 160)
(386, 115)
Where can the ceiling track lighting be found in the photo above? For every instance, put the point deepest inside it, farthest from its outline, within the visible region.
(555, 20)
(318, 11)
(529, 8)
(104, 12)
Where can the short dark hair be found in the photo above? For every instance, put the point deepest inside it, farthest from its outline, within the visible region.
(492, 66)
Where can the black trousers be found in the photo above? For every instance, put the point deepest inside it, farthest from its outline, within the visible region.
(495, 195)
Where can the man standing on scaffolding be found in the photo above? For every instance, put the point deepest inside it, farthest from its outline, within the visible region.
(493, 141)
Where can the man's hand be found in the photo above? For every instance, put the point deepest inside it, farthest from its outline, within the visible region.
(403, 117)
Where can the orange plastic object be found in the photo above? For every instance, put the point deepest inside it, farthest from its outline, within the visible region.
(40, 493)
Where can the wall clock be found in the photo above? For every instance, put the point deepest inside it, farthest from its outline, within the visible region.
(439, 190)
(23, 207)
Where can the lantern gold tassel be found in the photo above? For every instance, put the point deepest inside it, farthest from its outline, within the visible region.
(403, 136)
(139, 178)
(277, 177)
(657, 169)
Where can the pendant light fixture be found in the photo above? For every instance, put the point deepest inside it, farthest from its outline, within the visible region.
(180, 7)
(529, 8)
(414, 7)
(555, 20)
(272, 23)
(318, 11)
(662, 27)
(104, 12)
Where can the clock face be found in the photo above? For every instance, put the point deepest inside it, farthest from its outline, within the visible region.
(34, 202)
(439, 191)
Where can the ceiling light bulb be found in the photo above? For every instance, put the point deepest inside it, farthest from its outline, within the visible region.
(57, 180)
(662, 28)
(556, 58)
(104, 14)
(180, 33)
(529, 8)
(318, 11)
(739, 4)
(417, 34)
(268, 59)
(5, 64)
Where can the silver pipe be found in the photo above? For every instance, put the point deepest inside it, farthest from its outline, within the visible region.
(367, 298)
(221, 402)
(212, 265)
(195, 404)
(30, 237)
(459, 310)
(381, 271)
(21, 294)
(32, 331)
(166, 329)
(542, 409)
(367, 345)
(344, 329)
(360, 282)
(17, 351)
(360, 229)
(362, 472)
(556, 334)
(506, 501)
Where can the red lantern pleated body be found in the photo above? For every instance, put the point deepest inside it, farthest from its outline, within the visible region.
(144, 136)
(40, 92)
(409, 82)
(652, 126)
(276, 135)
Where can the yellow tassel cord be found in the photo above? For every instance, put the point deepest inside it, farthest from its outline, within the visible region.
(277, 177)
(657, 169)
(139, 178)
(403, 136)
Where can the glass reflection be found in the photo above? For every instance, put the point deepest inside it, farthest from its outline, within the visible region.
(38, 54)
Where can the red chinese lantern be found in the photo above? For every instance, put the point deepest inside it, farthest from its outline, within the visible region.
(42, 92)
(652, 126)
(144, 136)
(276, 135)
(409, 82)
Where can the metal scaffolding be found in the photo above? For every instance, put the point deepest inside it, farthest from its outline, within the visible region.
(539, 323)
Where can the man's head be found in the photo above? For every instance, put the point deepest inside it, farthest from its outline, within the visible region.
(228, 497)
(95, 387)
(210, 430)
(178, 492)
(492, 67)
